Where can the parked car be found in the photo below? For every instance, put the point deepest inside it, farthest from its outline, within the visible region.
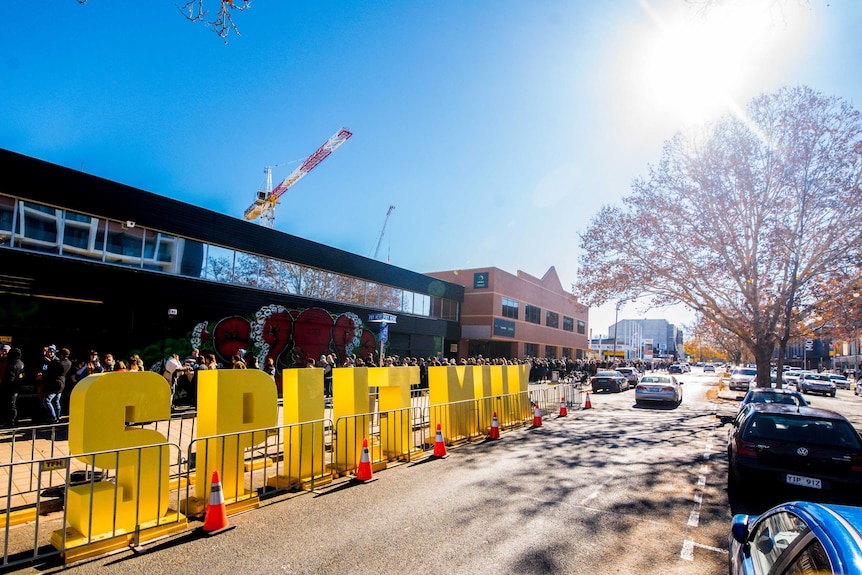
(816, 383)
(797, 537)
(840, 381)
(762, 395)
(631, 374)
(741, 378)
(658, 388)
(790, 378)
(794, 447)
(609, 381)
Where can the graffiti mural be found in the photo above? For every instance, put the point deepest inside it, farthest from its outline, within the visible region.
(289, 336)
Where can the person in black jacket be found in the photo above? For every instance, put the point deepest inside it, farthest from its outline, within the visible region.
(54, 380)
(10, 386)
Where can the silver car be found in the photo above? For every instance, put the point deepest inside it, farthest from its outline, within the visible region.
(741, 378)
(658, 388)
(816, 383)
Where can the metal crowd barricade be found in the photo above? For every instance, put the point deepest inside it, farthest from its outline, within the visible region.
(549, 397)
(470, 420)
(252, 464)
(398, 434)
(42, 538)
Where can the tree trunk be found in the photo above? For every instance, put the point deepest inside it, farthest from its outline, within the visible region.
(763, 358)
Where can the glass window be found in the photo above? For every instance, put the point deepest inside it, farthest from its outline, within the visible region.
(390, 298)
(422, 304)
(551, 351)
(568, 324)
(532, 314)
(771, 536)
(407, 301)
(343, 287)
(7, 216)
(582, 327)
(357, 291)
(812, 560)
(312, 282)
(248, 269)
(124, 245)
(38, 228)
(329, 286)
(159, 251)
(510, 308)
(219, 264)
(552, 319)
(531, 350)
(83, 236)
(372, 295)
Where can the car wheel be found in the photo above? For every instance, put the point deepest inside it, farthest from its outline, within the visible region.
(833, 394)
(619, 387)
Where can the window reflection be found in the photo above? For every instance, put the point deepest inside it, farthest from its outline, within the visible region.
(7, 217)
(42, 228)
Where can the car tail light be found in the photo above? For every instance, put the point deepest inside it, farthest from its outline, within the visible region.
(746, 448)
(667, 389)
(856, 463)
(640, 388)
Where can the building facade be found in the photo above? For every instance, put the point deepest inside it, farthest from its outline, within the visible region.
(647, 339)
(518, 316)
(92, 264)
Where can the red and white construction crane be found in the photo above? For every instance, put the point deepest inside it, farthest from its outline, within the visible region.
(264, 204)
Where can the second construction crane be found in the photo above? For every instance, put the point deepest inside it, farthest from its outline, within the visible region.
(383, 231)
(264, 204)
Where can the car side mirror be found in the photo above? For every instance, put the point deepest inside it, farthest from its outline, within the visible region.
(739, 528)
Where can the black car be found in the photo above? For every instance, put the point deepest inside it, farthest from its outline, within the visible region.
(816, 450)
(769, 395)
(609, 381)
(675, 368)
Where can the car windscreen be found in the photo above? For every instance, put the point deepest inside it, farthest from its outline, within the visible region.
(802, 430)
(744, 371)
(766, 397)
(655, 379)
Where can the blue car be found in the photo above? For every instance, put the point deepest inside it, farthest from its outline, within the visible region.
(797, 537)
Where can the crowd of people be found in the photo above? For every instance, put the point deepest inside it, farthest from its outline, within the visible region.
(56, 372)
(51, 374)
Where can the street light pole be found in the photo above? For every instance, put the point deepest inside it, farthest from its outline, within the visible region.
(616, 321)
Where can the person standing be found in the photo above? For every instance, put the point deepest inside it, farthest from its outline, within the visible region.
(54, 381)
(10, 385)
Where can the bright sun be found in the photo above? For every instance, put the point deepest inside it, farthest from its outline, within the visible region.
(693, 64)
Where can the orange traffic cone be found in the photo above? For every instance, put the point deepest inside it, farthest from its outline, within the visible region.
(494, 433)
(363, 474)
(537, 416)
(563, 411)
(215, 520)
(587, 403)
(439, 444)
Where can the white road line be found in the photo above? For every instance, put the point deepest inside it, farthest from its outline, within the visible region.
(687, 551)
(688, 546)
(694, 517)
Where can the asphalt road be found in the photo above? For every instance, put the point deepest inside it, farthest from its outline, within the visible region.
(613, 489)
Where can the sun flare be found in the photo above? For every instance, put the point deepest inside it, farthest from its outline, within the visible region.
(693, 64)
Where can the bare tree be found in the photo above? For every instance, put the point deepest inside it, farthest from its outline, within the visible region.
(742, 221)
(222, 24)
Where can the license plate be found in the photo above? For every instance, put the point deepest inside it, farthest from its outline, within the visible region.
(804, 481)
(653, 389)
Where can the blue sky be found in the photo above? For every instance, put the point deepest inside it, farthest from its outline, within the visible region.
(497, 129)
